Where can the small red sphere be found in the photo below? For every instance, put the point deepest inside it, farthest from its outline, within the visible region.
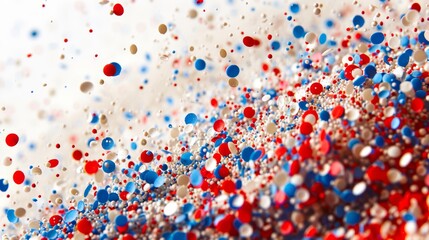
(84, 226)
(91, 167)
(18, 177)
(219, 125)
(109, 70)
(12, 139)
(146, 156)
(118, 10)
(249, 112)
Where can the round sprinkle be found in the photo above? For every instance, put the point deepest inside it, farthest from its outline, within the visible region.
(233, 82)
(200, 64)
(232, 71)
(12, 139)
(377, 38)
(358, 21)
(118, 10)
(121, 220)
(133, 49)
(107, 143)
(162, 28)
(405, 159)
(102, 196)
(109, 166)
(84, 226)
(316, 88)
(359, 188)
(18, 177)
(352, 218)
(70, 216)
(146, 156)
(86, 87)
(170, 208)
(191, 118)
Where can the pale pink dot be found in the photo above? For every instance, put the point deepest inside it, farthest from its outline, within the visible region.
(280, 197)
(336, 168)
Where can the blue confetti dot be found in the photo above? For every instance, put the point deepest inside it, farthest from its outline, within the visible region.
(159, 181)
(370, 71)
(191, 118)
(196, 178)
(379, 141)
(358, 21)
(403, 60)
(232, 71)
(303, 105)
(294, 8)
(52, 234)
(130, 187)
(70, 216)
(108, 166)
(177, 235)
(185, 159)
(359, 81)
(102, 195)
(324, 115)
(117, 68)
(107, 143)
(149, 176)
(256, 155)
(352, 218)
(406, 131)
(322, 38)
(395, 123)
(4, 185)
(377, 37)
(10, 214)
(121, 220)
(246, 153)
(275, 45)
(200, 64)
(298, 32)
(290, 189)
(417, 84)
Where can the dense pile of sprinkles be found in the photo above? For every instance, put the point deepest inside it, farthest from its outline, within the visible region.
(224, 119)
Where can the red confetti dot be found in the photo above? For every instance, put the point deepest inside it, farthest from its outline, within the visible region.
(53, 163)
(84, 226)
(337, 112)
(224, 149)
(55, 219)
(146, 156)
(248, 41)
(348, 71)
(118, 10)
(18, 177)
(226, 224)
(109, 70)
(416, 6)
(91, 167)
(417, 105)
(316, 88)
(286, 228)
(219, 125)
(12, 139)
(249, 112)
(228, 186)
(306, 128)
(77, 155)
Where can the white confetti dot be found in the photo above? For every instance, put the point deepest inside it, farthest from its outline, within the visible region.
(170, 208)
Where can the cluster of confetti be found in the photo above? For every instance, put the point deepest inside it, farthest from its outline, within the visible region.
(264, 120)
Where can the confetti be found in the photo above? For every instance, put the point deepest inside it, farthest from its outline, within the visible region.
(208, 120)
